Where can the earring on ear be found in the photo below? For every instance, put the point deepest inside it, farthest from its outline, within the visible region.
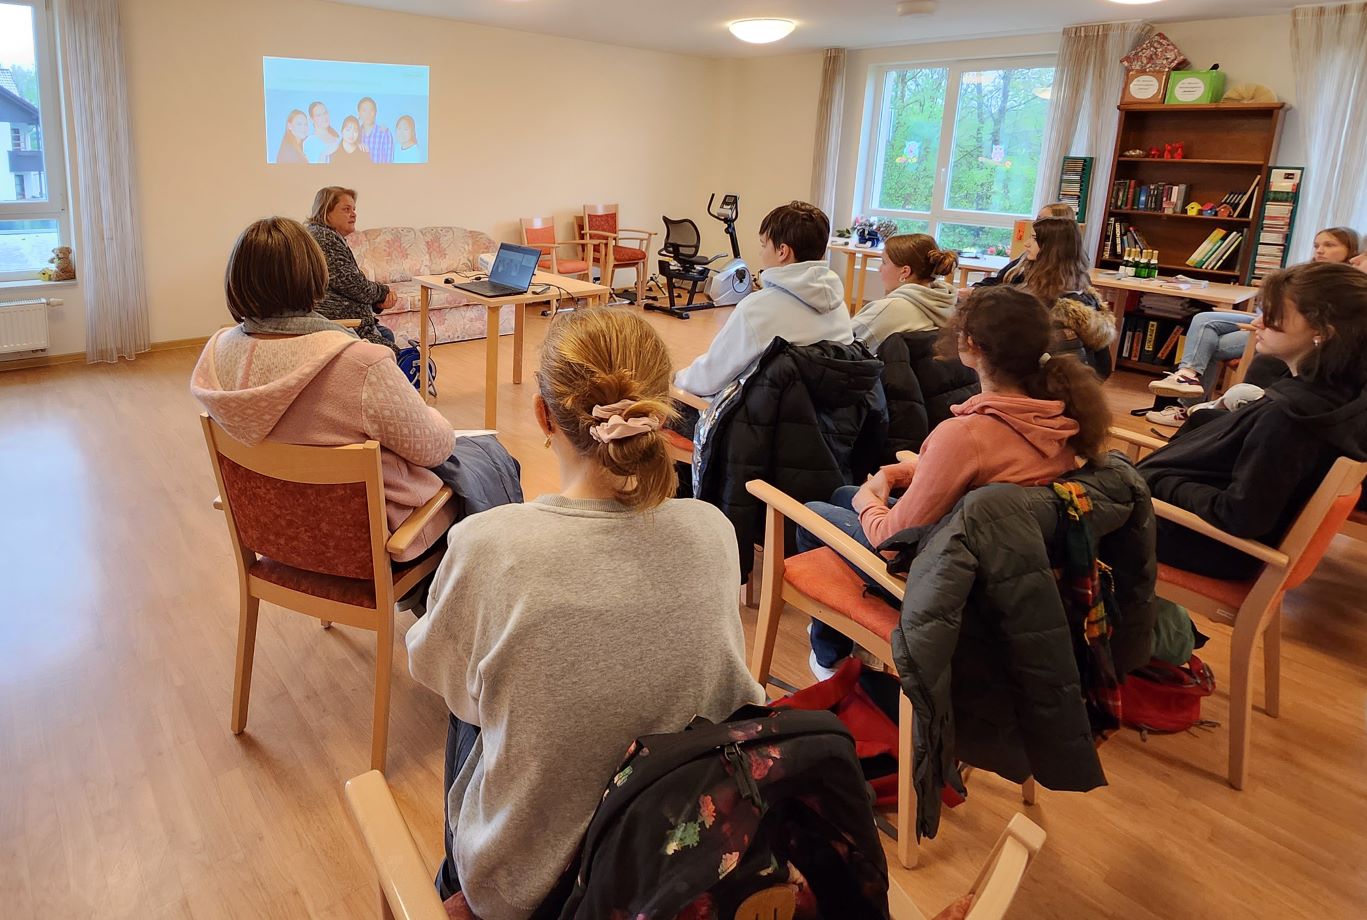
(1318, 340)
(548, 442)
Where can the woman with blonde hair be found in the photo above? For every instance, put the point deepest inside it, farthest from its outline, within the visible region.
(918, 298)
(565, 628)
(350, 294)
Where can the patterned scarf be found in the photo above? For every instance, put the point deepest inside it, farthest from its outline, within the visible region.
(299, 324)
(1086, 586)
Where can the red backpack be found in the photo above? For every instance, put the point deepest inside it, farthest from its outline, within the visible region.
(1161, 697)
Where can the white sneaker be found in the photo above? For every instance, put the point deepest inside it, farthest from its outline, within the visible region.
(1181, 382)
(817, 670)
(1171, 417)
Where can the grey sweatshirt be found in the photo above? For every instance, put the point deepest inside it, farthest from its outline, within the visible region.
(565, 629)
(909, 308)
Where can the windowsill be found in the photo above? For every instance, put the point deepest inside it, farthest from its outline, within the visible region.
(37, 283)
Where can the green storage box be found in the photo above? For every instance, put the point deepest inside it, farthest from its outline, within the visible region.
(1193, 87)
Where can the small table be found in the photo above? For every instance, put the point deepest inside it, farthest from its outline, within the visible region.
(1220, 297)
(857, 260)
(545, 287)
(979, 265)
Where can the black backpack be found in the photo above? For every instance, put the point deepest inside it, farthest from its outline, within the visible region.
(697, 821)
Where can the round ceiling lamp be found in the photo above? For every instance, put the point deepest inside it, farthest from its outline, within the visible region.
(761, 31)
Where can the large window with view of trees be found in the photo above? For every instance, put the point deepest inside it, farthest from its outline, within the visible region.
(32, 200)
(957, 149)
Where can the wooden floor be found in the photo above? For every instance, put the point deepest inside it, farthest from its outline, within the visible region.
(123, 793)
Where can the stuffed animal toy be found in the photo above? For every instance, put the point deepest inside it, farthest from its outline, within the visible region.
(62, 267)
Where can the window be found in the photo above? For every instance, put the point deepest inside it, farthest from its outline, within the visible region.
(957, 149)
(33, 215)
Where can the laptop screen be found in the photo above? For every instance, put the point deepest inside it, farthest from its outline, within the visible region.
(514, 265)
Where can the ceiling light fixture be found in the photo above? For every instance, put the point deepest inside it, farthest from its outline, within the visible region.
(762, 31)
(916, 7)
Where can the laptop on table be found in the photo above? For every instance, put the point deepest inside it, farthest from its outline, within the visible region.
(510, 274)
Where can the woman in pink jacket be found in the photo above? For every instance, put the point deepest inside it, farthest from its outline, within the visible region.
(289, 374)
(1035, 417)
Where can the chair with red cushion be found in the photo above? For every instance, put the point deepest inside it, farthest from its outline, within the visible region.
(407, 892)
(821, 585)
(1254, 608)
(1356, 525)
(540, 232)
(625, 247)
(309, 534)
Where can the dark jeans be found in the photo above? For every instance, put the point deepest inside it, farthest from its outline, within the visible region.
(830, 644)
(460, 741)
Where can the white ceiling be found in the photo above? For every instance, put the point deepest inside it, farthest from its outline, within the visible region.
(699, 26)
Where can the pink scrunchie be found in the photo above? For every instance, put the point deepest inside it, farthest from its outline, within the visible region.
(615, 427)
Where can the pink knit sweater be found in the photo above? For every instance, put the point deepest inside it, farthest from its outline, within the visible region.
(325, 390)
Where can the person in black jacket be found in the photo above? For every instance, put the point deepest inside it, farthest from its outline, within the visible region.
(1251, 471)
(1013, 272)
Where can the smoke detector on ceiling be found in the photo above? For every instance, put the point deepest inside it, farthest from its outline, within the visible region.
(916, 7)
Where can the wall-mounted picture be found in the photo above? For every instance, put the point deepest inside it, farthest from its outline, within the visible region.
(328, 112)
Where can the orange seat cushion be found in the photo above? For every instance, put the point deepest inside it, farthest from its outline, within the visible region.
(677, 440)
(823, 575)
(571, 266)
(457, 909)
(1230, 593)
(621, 254)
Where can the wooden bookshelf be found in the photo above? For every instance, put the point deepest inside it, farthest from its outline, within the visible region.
(1225, 146)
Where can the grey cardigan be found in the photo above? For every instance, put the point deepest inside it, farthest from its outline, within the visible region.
(350, 294)
(984, 649)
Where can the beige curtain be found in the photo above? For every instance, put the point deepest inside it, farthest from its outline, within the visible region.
(110, 257)
(826, 152)
(1329, 54)
(1088, 80)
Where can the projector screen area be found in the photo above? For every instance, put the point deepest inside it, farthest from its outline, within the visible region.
(325, 112)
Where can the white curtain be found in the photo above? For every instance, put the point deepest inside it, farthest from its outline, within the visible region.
(110, 257)
(1088, 80)
(1329, 53)
(830, 109)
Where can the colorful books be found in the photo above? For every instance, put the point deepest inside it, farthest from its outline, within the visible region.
(1278, 220)
(1206, 247)
(1075, 177)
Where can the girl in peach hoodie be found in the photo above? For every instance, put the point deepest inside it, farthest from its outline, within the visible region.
(1035, 417)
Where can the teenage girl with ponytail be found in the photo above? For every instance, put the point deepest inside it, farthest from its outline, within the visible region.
(1036, 416)
(569, 626)
(913, 271)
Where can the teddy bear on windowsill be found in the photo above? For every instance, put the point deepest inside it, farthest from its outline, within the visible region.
(63, 269)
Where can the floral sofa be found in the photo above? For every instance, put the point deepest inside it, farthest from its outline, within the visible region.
(394, 255)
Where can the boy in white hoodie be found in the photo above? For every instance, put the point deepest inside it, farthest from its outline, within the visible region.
(800, 300)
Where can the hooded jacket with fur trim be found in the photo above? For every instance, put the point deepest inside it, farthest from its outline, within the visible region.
(1084, 326)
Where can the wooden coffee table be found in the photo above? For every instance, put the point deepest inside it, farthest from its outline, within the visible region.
(545, 288)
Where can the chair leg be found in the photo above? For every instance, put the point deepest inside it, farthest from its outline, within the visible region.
(246, 651)
(640, 283)
(1028, 791)
(1240, 698)
(386, 912)
(907, 850)
(384, 660)
(1272, 664)
(327, 624)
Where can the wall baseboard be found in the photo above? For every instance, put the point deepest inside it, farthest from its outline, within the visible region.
(78, 357)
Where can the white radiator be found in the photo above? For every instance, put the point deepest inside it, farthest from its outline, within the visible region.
(23, 325)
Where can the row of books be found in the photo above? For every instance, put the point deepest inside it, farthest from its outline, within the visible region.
(1121, 235)
(1216, 249)
(1074, 177)
(1279, 210)
(1127, 194)
(1152, 340)
(1243, 202)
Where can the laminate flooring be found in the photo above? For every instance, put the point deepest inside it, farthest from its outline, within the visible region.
(123, 793)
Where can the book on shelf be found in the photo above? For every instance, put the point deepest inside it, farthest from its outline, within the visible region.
(1075, 177)
(1170, 344)
(1206, 247)
(1228, 248)
(1278, 221)
(1247, 199)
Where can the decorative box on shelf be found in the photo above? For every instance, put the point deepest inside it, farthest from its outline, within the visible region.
(1196, 87)
(1143, 86)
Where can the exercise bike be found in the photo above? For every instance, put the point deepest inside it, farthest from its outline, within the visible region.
(680, 262)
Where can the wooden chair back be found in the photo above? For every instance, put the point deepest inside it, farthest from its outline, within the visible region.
(998, 880)
(539, 232)
(1309, 537)
(320, 509)
(600, 218)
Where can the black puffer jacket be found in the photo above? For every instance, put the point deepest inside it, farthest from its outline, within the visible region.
(984, 649)
(921, 387)
(807, 419)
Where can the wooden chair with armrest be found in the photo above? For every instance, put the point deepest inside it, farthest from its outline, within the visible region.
(407, 892)
(624, 247)
(540, 233)
(1254, 608)
(309, 533)
(820, 584)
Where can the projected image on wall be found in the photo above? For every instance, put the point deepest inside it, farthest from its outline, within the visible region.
(325, 112)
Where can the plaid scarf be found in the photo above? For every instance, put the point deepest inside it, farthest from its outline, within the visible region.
(1086, 587)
